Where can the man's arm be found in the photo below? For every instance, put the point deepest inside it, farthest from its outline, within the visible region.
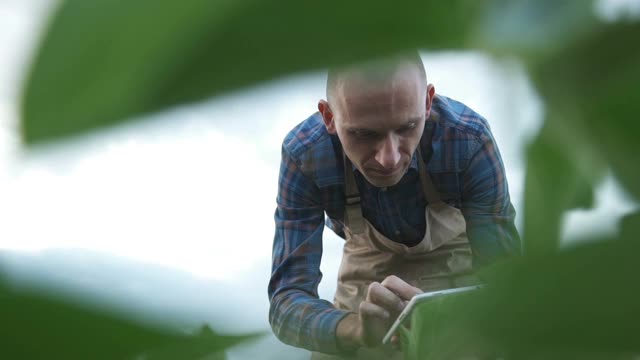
(487, 207)
(297, 316)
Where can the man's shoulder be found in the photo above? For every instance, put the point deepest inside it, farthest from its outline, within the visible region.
(316, 152)
(305, 136)
(459, 118)
(459, 134)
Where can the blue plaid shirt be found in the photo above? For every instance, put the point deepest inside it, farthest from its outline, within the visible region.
(465, 167)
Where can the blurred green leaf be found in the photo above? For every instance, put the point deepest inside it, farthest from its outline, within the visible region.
(40, 326)
(594, 80)
(631, 226)
(585, 300)
(206, 342)
(427, 333)
(103, 61)
(582, 302)
(589, 89)
(555, 182)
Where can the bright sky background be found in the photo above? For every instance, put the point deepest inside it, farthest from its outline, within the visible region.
(191, 192)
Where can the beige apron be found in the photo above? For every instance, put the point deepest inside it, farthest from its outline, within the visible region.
(441, 260)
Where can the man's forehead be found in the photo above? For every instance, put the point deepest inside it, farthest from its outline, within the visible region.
(351, 81)
(400, 96)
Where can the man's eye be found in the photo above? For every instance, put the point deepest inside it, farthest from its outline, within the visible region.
(408, 128)
(364, 134)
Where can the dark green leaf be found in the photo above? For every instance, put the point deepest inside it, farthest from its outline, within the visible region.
(39, 326)
(555, 182)
(103, 61)
(589, 88)
(582, 301)
(594, 80)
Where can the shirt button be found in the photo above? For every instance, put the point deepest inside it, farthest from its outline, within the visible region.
(397, 232)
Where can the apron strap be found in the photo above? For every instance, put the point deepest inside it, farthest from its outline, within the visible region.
(353, 218)
(430, 192)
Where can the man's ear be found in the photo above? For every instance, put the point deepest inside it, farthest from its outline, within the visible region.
(431, 92)
(327, 116)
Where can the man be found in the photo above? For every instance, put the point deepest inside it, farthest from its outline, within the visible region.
(415, 184)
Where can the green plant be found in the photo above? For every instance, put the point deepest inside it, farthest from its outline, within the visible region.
(102, 62)
(39, 325)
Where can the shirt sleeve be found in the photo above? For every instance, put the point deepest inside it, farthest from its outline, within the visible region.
(297, 316)
(487, 207)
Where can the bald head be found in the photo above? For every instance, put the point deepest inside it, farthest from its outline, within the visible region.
(378, 73)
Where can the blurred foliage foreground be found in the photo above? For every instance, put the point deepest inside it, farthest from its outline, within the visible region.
(104, 61)
(582, 303)
(37, 325)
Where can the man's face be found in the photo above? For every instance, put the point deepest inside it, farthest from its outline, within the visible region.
(380, 125)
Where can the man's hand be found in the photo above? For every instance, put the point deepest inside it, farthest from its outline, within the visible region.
(382, 306)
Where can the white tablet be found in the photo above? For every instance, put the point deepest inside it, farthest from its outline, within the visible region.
(420, 298)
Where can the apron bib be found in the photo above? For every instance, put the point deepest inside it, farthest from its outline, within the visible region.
(441, 260)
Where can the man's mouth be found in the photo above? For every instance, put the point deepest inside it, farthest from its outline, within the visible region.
(386, 172)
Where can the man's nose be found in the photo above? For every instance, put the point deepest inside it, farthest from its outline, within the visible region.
(388, 155)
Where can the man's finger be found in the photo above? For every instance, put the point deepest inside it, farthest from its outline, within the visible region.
(369, 310)
(395, 342)
(375, 322)
(400, 287)
(381, 296)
